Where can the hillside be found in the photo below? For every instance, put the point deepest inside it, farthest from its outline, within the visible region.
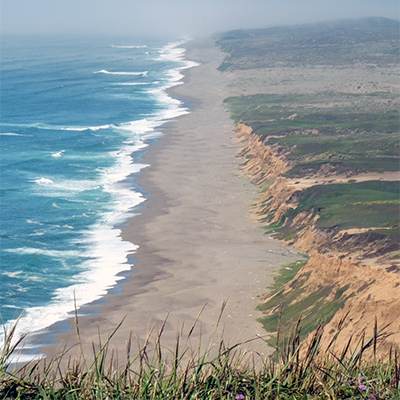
(326, 159)
(367, 41)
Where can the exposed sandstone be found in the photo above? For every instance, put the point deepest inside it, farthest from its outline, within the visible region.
(359, 263)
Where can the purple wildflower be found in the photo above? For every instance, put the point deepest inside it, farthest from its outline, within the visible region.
(362, 387)
(240, 396)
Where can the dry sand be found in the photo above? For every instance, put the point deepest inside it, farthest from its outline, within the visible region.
(198, 244)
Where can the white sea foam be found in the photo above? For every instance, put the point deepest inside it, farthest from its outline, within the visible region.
(67, 226)
(58, 154)
(126, 46)
(104, 71)
(83, 128)
(170, 52)
(106, 251)
(43, 252)
(11, 134)
(77, 128)
(43, 181)
(33, 222)
(20, 358)
(50, 187)
(12, 274)
(38, 232)
(133, 83)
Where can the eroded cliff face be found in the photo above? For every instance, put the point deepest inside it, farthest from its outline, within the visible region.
(353, 273)
(370, 293)
(261, 162)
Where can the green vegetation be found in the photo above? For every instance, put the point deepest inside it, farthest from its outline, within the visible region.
(371, 205)
(349, 132)
(284, 308)
(311, 136)
(269, 114)
(367, 40)
(286, 274)
(314, 310)
(332, 140)
(374, 205)
(353, 205)
(296, 371)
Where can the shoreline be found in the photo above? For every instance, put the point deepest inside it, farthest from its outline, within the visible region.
(128, 165)
(146, 130)
(223, 266)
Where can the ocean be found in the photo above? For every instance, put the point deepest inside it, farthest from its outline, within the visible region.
(74, 113)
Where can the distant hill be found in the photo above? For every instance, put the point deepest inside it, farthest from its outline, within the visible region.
(373, 40)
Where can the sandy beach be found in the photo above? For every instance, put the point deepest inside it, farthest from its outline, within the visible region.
(199, 200)
(199, 246)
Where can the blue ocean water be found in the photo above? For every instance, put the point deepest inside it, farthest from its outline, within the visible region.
(72, 115)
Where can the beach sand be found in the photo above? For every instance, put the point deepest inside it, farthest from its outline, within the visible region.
(198, 244)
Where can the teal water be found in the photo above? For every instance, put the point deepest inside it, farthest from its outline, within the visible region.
(73, 114)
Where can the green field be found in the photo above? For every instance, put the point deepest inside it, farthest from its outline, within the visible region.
(371, 205)
(348, 141)
(368, 40)
(363, 204)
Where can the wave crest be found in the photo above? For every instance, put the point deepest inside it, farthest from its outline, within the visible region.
(128, 46)
(122, 73)
(44, 181)
(11, 134)
(58, 154)
(44, 252)
(40, 125)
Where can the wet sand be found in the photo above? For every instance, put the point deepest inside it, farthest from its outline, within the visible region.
(198, 244)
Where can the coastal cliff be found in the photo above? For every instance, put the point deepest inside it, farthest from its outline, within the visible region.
(350, 279)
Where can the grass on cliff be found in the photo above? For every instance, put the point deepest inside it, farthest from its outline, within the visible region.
(297, 370)
(372, 208)
(283, 308)
(372, 204)
(358, 137)
(269, 114)
(337, 138)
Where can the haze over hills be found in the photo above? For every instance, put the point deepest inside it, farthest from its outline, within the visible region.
(369, 40)
(216, 219)
(175, 18)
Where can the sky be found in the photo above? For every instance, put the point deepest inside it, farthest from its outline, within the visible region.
(175, 17)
